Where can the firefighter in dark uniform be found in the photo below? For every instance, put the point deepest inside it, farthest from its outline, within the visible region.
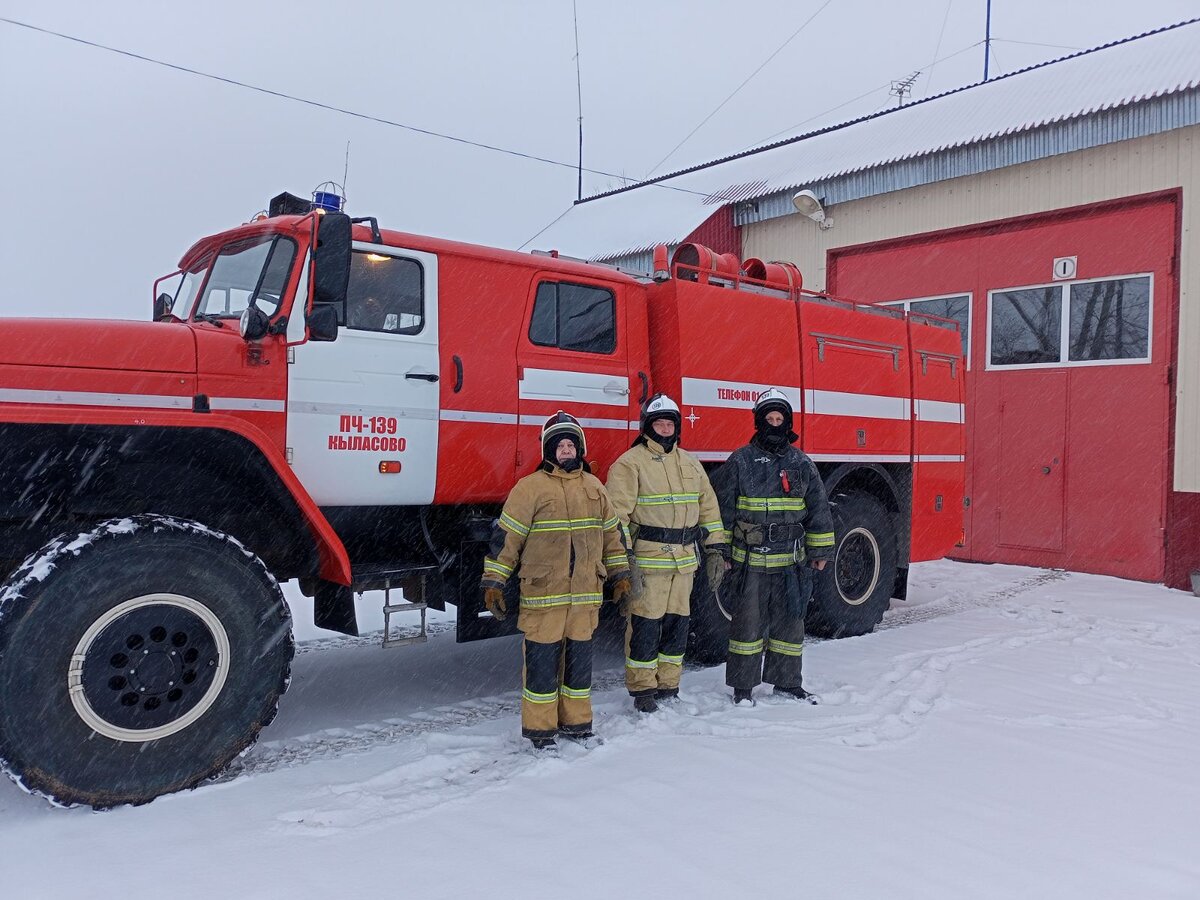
(559, 534)
(774, 505)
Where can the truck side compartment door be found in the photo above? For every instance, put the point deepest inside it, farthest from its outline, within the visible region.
(363, 410)
(573, 356)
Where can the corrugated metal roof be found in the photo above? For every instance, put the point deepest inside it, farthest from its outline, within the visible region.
(1114, 84)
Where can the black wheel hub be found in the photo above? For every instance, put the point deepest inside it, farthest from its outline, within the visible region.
(857, 567)
(149, 667)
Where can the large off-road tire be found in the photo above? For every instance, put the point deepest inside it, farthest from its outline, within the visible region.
(137, 659)
(708, 627)
(853, 592)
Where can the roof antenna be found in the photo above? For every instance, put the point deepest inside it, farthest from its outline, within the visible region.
(346, 170)
(987, 40)
(579, 95)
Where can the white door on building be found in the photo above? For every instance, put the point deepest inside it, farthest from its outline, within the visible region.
(362, 425)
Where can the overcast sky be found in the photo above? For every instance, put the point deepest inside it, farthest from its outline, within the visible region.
(112, 167)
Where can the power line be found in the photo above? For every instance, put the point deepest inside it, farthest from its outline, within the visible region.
(721, 105)
(302, 100)
(864, 94)
(1035, 44)
(938, 48)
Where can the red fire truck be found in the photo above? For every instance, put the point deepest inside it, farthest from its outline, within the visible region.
(322, 400)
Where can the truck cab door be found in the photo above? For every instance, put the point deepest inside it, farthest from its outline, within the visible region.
(362, 419)
(573, 355)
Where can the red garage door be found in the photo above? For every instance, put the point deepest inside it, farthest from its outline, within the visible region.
(1070, 326)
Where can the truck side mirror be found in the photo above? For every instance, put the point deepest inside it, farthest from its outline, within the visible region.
(322, 322)
(162, 303)
(331, 259)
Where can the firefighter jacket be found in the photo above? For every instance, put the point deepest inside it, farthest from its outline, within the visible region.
(656, 490)
(774, 506)
(559, 528)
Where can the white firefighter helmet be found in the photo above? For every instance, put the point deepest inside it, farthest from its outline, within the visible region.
(558, 426)
(660, 406)
(772, 400)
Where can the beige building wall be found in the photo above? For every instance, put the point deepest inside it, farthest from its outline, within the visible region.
(1144, 165)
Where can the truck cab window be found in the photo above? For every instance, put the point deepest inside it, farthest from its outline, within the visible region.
(257, 268)
(574, 317)
(387, 293)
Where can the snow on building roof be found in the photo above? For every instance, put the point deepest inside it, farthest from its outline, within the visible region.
(1123, 74)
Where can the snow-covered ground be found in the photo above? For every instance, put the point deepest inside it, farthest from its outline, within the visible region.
(1007, 732)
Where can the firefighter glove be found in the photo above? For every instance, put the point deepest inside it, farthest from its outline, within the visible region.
(622, 590)
(493, 599)
(714, 567)
(636, 581)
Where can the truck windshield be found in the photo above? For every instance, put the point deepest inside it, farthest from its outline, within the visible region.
(256, 268)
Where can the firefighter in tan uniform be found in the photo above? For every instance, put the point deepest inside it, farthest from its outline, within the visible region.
(666, 505)
(559, 533)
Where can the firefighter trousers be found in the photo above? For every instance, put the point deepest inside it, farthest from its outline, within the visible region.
(768, 621)
(656, 631)
(556, 678)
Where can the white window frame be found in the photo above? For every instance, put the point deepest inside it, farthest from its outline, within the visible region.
(907, 304)
(1064, 327)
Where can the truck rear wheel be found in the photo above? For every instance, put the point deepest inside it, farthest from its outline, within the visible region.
(137, 659)
(853, 592)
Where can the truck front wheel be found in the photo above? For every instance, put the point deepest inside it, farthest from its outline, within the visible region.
(137, 659)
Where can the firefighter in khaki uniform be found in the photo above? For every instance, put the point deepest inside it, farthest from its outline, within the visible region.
(558, 532)
(666, 504)
(774, 504)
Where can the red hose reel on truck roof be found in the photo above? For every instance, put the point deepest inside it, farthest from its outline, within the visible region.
(696, 262)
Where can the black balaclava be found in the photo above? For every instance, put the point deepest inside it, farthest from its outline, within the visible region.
(548, 453)
(667, 443)
(774, 437)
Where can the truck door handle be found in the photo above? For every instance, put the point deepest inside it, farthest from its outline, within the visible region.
(615, 387)
(645, 387)
(423, 376)
(458, 375)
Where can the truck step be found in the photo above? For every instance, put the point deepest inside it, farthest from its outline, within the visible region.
(409, 579)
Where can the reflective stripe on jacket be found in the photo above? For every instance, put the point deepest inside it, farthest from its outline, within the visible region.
(559, 534)
(756, 487)
(650, 487)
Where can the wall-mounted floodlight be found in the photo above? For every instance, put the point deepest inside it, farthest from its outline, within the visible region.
(807, 203)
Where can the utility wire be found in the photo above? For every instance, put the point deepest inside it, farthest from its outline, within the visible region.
(306, 102)
(866, 93)
(721, 105)
(547, 227)
(938, 48)
(1036, 44)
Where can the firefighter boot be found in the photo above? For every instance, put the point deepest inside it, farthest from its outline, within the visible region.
(645, 703)
(667, 695)
(796, 693)
(743, 697)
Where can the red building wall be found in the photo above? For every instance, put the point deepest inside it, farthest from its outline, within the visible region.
(1067, 466)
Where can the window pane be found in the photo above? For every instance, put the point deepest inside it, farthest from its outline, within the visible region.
(1026, 326)
(233, 277)
(586, 319)
(956, 308)
(543, 323)
(1110, 319)
(386, 294)
(279, 266)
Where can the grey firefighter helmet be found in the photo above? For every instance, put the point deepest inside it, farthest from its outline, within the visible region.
(558, 426)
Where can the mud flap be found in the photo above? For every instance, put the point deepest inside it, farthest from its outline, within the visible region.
(475, 623)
